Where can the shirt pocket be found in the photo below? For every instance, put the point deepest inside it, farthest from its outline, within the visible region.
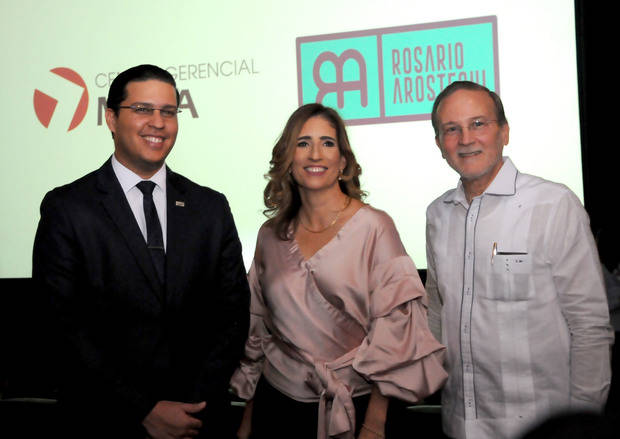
(511, 271)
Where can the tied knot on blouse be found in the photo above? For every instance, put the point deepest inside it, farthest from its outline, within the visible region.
(336, 409)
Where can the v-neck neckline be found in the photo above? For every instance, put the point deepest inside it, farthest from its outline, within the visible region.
(295, 244)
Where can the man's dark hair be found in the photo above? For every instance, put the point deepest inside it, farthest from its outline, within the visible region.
(144, 72)
(472, 86)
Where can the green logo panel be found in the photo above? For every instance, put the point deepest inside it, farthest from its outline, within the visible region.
(394, 74)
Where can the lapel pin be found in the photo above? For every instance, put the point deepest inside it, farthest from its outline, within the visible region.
(179, 203)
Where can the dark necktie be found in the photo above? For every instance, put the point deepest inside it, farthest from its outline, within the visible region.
(154, 240)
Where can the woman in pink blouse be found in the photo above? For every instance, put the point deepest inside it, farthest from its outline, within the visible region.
(338, 312)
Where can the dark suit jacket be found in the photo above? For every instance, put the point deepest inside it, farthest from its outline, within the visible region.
(128, 342)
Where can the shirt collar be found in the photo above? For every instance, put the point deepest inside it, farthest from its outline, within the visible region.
(128, 179)
(504, 183)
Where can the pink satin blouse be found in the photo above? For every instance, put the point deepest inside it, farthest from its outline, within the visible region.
(327, 328)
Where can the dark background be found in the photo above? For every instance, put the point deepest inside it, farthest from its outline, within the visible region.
(24, 330)
(596, 39)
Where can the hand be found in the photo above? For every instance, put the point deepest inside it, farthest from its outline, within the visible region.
(173, 420)
(246, 421)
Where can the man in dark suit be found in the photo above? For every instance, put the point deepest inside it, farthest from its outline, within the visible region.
(146, 281)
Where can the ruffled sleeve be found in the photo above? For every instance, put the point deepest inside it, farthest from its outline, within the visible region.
(399, 354)
(245, 378)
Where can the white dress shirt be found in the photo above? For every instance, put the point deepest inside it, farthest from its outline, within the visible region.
(517, 297)
(128, 180)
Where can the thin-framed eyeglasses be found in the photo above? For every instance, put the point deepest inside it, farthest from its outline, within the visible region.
(479, 126)
(144, 110)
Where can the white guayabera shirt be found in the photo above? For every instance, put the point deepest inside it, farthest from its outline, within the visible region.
(517, 296)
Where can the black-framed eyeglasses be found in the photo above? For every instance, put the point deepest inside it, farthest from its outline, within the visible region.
(143, 110)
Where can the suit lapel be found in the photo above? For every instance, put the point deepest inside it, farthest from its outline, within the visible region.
(179, 225)
(115, 203)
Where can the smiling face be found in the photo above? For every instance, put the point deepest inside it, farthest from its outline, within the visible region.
(141, 141)
(470, 139)
(317, 162)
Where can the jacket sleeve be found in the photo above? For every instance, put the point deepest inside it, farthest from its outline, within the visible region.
(232, 308)
(58, 271)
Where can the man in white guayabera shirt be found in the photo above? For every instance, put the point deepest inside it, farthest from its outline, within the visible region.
(514, 281)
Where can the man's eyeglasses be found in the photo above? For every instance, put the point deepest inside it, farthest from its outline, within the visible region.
(143, 110)
(475, 126)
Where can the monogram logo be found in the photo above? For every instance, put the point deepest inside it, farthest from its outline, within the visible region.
(340, 85)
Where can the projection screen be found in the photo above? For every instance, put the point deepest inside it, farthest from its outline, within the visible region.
(242, 67)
